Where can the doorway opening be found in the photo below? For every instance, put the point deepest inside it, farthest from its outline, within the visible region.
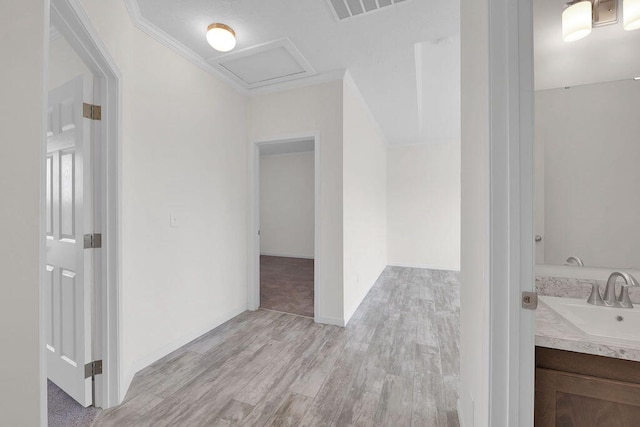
(286, 206)
(79, 219)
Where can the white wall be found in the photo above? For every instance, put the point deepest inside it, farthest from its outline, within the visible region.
(64, 64)
(589, 137)
(474, 385)
(287, 205)
(313, 108)
(423, 191)
(21, 132)
(183, 152)
(364, 199)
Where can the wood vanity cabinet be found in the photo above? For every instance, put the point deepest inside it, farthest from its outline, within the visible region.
(582, 390)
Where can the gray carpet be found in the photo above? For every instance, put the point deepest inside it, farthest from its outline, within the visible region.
(66, 412)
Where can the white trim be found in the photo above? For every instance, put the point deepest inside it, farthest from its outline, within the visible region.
(426, 266)
(432, 141)
(42, 362)
(75, 25)
(511, 231)
(262, 155)
(285, 154)
(287, 255)
(329, 321)
(146, 26)
(285, 43)
(253, 291)
(167, 40)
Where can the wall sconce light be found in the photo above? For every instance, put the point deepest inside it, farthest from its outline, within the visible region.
(221, 37)
(577, 21)
(580, 16)
(631, 11)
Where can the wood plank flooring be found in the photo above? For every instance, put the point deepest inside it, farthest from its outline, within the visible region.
(395, 364)
(286, 284)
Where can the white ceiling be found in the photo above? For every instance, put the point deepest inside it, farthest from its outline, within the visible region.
(378, 48)
(609, 53)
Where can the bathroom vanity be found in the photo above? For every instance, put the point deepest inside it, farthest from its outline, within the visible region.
(576, 389)
(586, 229)
(585, 379)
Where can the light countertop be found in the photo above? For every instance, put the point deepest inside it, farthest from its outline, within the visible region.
(554, 331)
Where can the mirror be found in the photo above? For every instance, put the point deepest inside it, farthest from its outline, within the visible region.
(587, 145)
(588, 174)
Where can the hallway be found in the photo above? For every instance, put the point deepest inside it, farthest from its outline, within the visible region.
(395, 364)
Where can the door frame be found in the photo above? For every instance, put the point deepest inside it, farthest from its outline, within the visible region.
(72, 22)
(511, 337)
(253, 294)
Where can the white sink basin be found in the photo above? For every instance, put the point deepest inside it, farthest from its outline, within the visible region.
(612, 324)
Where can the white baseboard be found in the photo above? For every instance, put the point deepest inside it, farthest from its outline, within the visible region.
(426, 266)
(287, 255)
(329, 320)
(353, 310)
(160, 352)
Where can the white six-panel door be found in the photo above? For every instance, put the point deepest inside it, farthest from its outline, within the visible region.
(68, 278)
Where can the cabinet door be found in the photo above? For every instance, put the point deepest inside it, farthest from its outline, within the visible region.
(572, 400)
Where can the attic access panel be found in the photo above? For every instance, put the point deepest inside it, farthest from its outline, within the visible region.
(265, 64)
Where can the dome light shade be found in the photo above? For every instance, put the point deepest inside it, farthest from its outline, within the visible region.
(577, 21)
(631, 11)
(221, 37)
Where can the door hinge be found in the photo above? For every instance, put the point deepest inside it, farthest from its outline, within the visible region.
(90, 111)
(93, 241)
(529, 300)
(92, 369)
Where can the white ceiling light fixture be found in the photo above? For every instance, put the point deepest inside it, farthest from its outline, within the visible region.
(221, 37)
(580, 16)
(631, 12)
(577, 21)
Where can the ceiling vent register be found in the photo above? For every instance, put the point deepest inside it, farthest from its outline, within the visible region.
(344, 9)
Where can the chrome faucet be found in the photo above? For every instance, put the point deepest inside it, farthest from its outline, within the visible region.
(574, 260)
(610, 298)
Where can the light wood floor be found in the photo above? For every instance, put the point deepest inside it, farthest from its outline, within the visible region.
(286, 284)
(395, 364)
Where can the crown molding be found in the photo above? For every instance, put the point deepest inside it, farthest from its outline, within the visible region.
(164, 38)
(146, 26)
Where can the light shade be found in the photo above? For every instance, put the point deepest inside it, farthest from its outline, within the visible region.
(577, 21)
(631, 12)
(221, 37)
